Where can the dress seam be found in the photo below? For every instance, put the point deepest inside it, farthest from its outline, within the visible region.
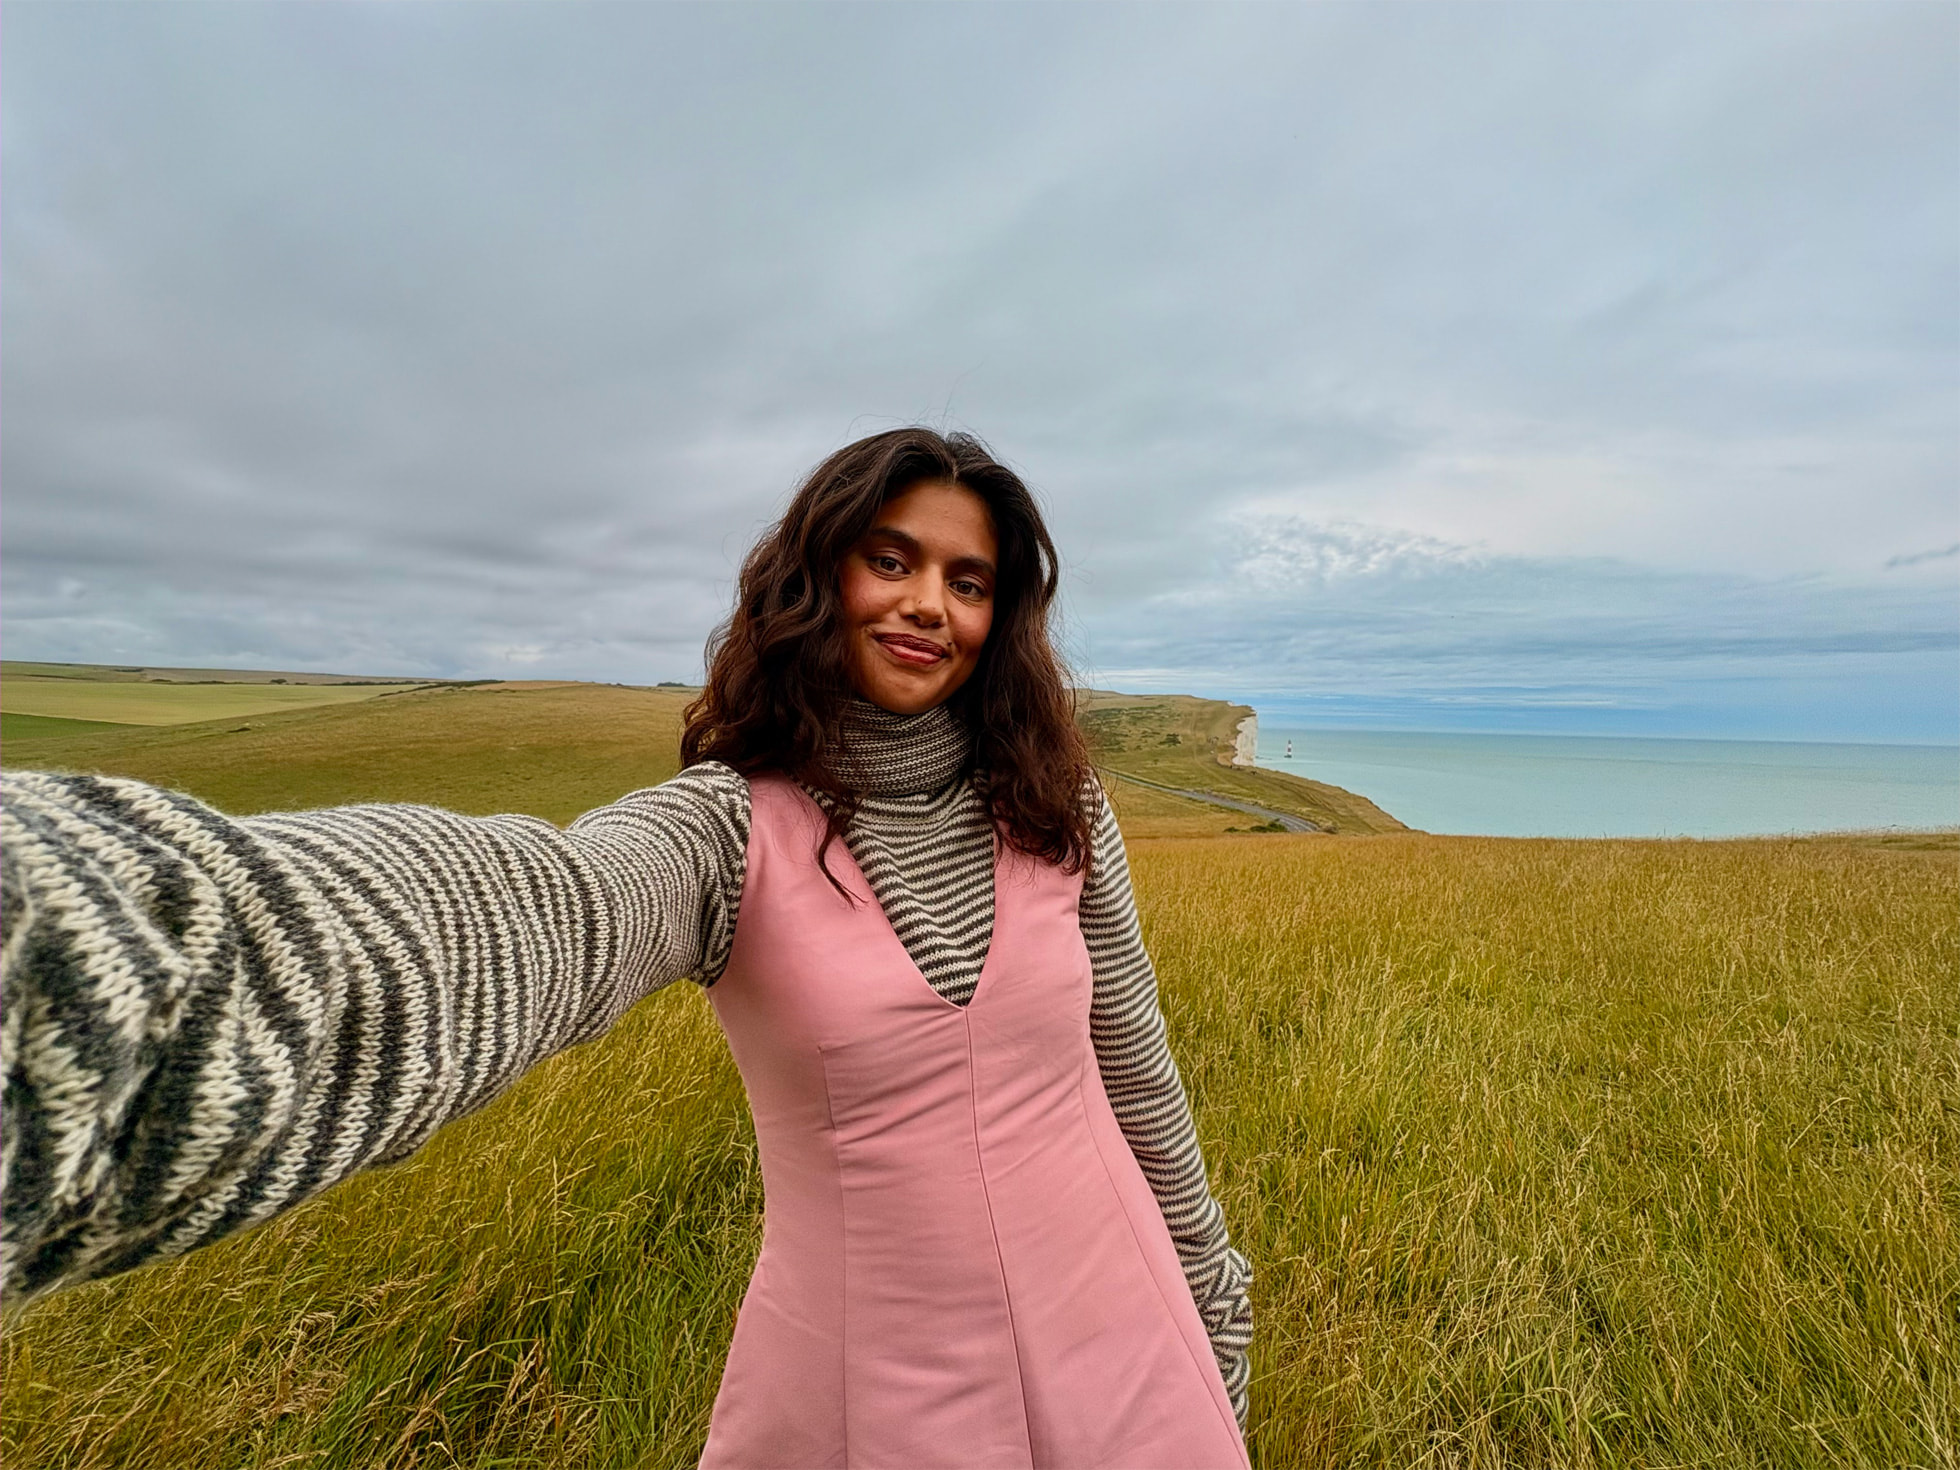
(1227, 1415)
(843, 1262)
(993, 1233)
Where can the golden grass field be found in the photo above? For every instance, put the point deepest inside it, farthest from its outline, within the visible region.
(1546, 1153)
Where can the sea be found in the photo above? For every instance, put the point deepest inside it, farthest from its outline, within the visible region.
(1605, 786)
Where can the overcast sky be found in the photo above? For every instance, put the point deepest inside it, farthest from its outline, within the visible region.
(1560, 367)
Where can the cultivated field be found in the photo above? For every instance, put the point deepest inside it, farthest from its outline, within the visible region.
(29, 690)
(1546, 1153)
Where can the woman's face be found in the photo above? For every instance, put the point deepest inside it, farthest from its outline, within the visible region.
(918, 594)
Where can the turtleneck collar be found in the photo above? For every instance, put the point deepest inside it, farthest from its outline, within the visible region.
(882, 754)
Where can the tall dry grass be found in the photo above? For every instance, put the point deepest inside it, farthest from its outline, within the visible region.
(1560, 1153)
(1547, 1153)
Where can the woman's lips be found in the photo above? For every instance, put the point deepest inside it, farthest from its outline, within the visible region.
(921, 652)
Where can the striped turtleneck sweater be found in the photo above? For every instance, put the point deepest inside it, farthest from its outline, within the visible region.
(208, 1020)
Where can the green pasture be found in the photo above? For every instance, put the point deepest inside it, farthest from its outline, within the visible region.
(168, 704)
(1546, 1153)
(45, 727)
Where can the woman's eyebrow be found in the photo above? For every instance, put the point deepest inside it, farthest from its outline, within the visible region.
(910, 545)
(892, 534)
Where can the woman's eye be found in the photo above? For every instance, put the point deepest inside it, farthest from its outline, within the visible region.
(970, 589)
(887, 563)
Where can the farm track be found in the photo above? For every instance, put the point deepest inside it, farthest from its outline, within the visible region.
(1285, 819)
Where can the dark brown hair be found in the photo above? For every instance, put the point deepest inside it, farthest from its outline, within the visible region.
(779, 672)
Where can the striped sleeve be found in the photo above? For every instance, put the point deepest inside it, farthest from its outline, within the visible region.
(209, 1020)
(1147, 1096)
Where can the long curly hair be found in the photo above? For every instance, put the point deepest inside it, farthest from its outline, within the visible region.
(779, 675)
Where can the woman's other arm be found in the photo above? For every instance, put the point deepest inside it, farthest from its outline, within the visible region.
(208, 1020)
(1147, 1096)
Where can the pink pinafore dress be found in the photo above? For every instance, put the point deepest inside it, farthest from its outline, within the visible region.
(962, 1265)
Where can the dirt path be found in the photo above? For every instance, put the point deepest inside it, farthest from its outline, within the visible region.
(1286, 819)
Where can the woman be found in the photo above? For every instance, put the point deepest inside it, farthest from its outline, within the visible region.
(988, 1235)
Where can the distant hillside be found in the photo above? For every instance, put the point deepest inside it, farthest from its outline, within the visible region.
(1176, 743)
(31, 701)
(555, 749)
(550, 749)
(144, 674)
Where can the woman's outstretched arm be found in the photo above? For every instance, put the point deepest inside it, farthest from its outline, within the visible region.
(208, 1020)
(1147, 1096)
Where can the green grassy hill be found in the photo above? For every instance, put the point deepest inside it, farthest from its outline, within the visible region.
(15, 726)
(550, 749)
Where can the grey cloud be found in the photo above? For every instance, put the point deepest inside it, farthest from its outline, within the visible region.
(1287, 606)
(1917, 558)
(354, 334)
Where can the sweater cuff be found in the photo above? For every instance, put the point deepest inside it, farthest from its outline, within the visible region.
(1227, 1314)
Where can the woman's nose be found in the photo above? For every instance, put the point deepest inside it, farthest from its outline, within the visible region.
(924, 600)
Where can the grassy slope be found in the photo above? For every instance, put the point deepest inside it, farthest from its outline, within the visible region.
(1178, 740)
(41, 727)
(1144, 813)
(553, 750)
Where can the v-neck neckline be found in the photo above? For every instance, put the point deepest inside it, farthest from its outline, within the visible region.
(870, 894)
